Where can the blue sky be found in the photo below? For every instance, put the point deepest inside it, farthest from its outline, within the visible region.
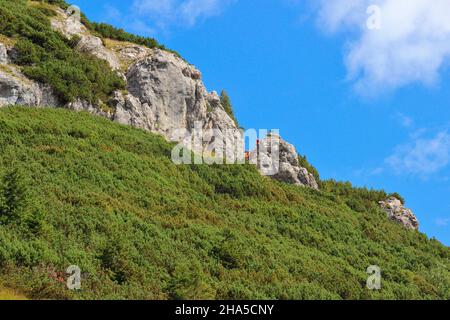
(370, 105)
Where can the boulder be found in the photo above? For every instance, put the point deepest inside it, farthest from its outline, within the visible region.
(398, 213)
(279, 160)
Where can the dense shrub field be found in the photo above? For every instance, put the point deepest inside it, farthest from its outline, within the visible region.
(80, 190)
(226, 103)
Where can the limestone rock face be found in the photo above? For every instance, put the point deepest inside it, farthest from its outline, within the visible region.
(130, 111)
(94, 45)
(397, 212)
(279, 159)
(70, 26)
(82, 105)
(166, 94)
(15, 88)
(130, 52)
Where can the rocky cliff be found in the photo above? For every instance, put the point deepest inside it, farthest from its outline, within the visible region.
(163, 94)
(15, 88)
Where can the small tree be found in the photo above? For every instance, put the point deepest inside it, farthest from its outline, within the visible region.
(226, 104)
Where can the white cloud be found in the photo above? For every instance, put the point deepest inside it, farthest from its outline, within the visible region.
(442, 222)
(180, 12)
(405, 120)
(423, 156)
(412, 46)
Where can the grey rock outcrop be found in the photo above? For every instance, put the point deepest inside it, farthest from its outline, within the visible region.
(398, 213)
(15, 88)
(279, 159)
(70, 26)
(94, 45)
(129, 53)
(82, 105)
(166, 94)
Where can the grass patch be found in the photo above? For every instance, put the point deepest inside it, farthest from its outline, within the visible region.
(10, 294)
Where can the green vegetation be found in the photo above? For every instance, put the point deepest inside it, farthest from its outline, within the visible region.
(77, 189)
(358, 199)
(48, 57)
(104, 30)
(226, 103)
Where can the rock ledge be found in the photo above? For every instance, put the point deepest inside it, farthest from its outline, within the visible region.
(397, 212)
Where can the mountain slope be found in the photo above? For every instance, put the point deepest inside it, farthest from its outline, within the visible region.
(80, 190)
(49, 57)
